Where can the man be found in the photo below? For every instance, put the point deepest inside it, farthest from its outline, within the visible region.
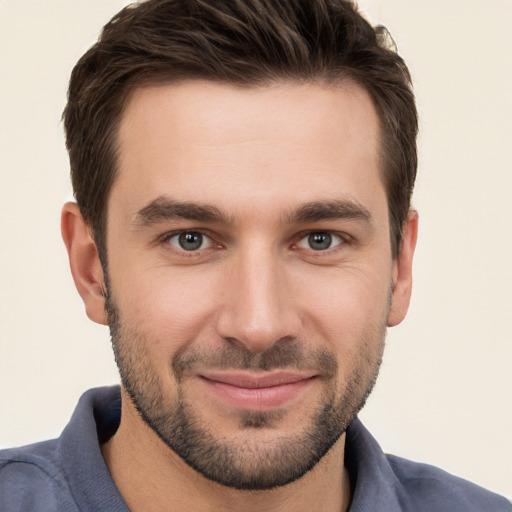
(243, 173)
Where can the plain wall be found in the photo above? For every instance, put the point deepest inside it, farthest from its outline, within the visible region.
(444, 393)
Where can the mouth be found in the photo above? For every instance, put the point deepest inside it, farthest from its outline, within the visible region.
(256, 391)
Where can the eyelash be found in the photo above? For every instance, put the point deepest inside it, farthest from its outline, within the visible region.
(343, 239)
(165, 239)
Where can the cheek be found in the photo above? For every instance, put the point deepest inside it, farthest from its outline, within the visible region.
(350, 316)
(347, 306)
(169, 307)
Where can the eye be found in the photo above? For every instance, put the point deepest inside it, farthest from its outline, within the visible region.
(320, 241)
(190, 241)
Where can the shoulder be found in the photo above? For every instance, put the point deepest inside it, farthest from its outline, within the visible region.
(31, 478)
(425, 487)
(390, 484)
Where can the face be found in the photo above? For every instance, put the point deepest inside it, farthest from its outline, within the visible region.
(250, 275)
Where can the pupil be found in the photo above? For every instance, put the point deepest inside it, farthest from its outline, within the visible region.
(320, 241)
(190, 241)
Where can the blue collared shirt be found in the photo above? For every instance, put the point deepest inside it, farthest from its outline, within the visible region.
(69, 474)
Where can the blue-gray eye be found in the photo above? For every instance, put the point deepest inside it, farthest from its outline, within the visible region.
(190, 241)
(320, 241)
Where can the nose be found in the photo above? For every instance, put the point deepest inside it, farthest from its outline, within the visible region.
(258, 307)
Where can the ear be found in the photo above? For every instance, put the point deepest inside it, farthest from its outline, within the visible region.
(84, 261)
(402, 271)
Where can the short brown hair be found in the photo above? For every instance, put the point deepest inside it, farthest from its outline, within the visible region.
(242, 42)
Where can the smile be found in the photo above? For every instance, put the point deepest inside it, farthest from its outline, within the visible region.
(257, 392)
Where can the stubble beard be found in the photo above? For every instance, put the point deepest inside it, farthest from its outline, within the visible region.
(244, 463)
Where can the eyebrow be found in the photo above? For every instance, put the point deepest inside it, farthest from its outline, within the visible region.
(164, 208)
(324, 210)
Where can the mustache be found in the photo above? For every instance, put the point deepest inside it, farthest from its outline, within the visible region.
(283, 354)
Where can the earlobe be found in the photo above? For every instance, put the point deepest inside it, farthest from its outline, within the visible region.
(84, 262)
(402, 271)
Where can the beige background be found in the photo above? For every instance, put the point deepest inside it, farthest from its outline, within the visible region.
(444, 394)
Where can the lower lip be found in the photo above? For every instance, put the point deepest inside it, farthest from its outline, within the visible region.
(258, 398)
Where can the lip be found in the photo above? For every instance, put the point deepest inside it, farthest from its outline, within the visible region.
(257, 392)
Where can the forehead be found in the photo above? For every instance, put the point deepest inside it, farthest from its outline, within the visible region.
(267, 147)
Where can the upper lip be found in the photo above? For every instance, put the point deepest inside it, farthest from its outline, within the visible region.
(251, 380)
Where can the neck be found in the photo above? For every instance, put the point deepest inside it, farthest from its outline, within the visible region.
(152, 478)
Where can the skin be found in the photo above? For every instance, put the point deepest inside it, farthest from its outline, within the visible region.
(258, 156)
